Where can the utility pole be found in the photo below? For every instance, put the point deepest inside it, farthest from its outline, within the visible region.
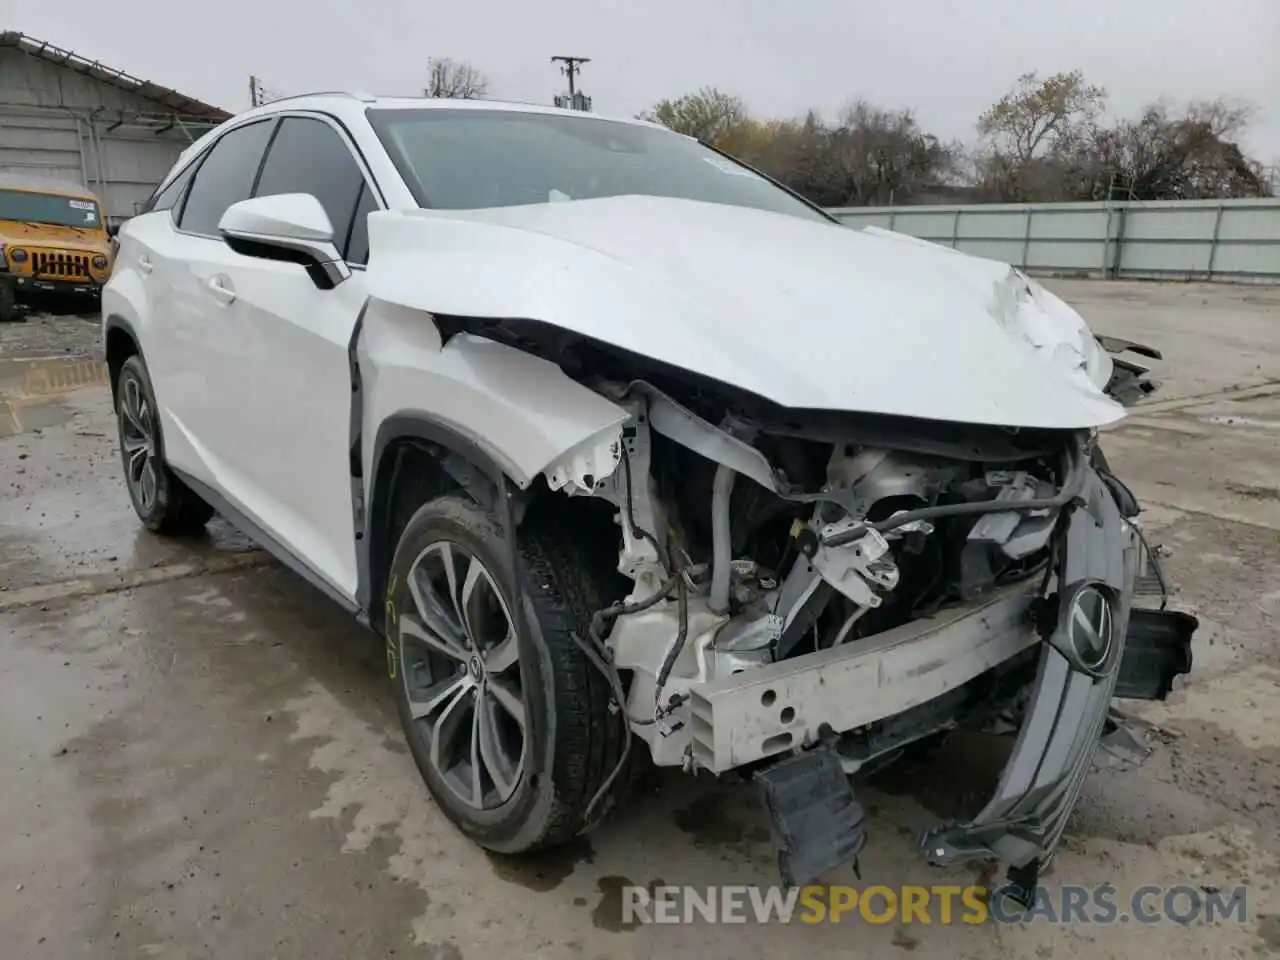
(255, 91)
(572, 67)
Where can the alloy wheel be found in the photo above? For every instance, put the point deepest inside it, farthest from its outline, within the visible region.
(460, 660)
(137, 436)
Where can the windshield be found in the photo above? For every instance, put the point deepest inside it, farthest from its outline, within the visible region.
(49, 208)
(472, 159)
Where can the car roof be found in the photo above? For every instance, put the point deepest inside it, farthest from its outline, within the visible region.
(350, 106)
(347, 102)
(30, 184)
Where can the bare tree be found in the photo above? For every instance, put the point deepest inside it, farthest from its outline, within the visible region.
(1047, 139)
(1167, 154)
(1038, 114)
(1025, 129)
(707, 114)
(868, 156)
(884, 156)
(454, 80)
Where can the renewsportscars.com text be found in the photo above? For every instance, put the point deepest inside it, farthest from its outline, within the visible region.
(938, 904)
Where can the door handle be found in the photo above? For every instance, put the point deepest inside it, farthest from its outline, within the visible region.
(220, 287)
(144, 263)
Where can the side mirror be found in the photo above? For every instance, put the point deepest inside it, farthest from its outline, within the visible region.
(292, 227)
(113, 229)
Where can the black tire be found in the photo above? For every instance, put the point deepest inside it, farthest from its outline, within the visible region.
(8, 302)
(1099, 458)
(573, 742)
(173, 509)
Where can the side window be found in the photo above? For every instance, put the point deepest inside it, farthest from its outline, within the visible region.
(167, 198)
(225, 177)
(309, 156)
(357, 249)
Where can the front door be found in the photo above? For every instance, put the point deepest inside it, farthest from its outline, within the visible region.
(288, 408)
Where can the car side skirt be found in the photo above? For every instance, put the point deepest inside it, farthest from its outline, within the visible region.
(273, 546)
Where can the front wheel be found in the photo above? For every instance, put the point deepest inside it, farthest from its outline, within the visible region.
(511, 732)
(162, 502)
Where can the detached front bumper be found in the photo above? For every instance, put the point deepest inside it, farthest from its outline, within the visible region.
(1041, 782)
(775, 709)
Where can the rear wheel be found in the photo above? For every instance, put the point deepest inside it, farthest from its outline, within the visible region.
(162, 502)
(511, 732)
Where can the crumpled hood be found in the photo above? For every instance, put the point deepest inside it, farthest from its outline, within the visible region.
(804, 313)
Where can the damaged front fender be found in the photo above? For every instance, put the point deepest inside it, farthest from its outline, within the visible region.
(523, 412)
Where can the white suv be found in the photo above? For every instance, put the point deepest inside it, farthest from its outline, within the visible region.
(627, 450)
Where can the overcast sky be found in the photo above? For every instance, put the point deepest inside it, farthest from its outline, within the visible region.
(946, 59)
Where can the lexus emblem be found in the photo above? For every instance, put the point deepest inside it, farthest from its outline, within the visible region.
(1090, 626)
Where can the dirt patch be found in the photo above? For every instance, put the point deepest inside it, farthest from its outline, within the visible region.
(1254, 493)
(45, 335)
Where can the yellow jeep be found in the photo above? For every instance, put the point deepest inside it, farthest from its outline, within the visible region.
(53, 240)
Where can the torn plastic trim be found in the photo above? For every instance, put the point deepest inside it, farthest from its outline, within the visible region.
(1121, 345)
(1129, 382)
(1023, 821)
(686, 428)
(1157, 650)
(583, 467)
(598, 457)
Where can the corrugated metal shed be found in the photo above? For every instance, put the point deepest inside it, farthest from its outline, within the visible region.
(66, 117)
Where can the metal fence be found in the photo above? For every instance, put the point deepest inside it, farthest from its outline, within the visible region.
(1186, 239)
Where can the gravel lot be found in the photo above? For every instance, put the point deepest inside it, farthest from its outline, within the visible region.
(201, 760)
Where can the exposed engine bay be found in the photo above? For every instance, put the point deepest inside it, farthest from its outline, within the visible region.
(755, 533)
(762, 540)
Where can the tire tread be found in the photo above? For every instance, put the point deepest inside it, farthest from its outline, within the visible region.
(589, 737)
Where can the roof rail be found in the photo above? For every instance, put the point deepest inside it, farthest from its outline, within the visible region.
(353, 94)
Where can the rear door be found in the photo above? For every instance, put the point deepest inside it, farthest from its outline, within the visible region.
(195, 359)
(145, 241)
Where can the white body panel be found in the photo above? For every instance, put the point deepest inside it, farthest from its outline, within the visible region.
(521, 411)
(284, 434)
(806, 314)
(248, 359)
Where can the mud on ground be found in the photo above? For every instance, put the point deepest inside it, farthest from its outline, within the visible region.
(201, 760)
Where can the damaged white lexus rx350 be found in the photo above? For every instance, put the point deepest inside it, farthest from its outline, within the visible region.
(625, 449)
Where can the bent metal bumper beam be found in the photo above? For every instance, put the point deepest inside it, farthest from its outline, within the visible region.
(775, 708)
(769, 711)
